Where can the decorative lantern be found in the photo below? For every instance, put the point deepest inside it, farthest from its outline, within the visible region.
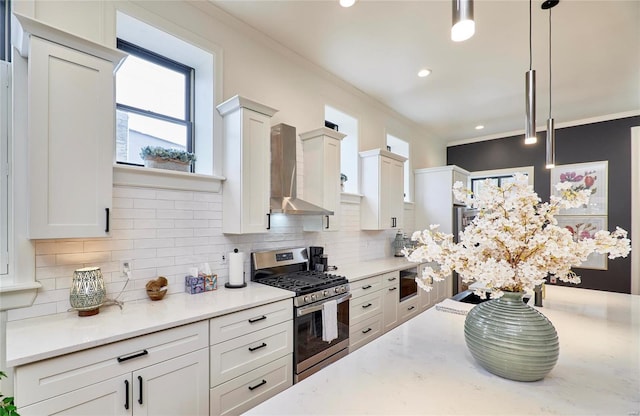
(398, 244)
(87, 291)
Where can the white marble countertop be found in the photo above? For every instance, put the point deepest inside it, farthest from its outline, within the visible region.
(423, 367)
(362, 270)
(35, 339)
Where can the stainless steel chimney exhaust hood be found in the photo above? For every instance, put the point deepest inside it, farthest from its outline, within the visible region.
(283, 175)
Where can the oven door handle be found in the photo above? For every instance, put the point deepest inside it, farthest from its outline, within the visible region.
(314, 308)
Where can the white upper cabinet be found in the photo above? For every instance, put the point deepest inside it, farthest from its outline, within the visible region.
(70, 130)
(382, 185)
(247, 166)
(434, 198)
(321, 149)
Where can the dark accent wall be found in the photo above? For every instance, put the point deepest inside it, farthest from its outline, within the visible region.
(607, 140)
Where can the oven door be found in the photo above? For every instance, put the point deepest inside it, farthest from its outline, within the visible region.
(311, 352)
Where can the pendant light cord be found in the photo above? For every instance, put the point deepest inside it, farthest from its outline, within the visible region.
(530, 43)
(550, 62)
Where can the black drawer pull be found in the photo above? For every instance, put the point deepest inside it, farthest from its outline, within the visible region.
(364, 331)
(327, 227)
(132, 356)
(253, 320)
(126, 394)
(410, 308)
(262, 383)
(252, 349)
(391, 279)
(140, 385)
(366, 306)
(391, 289)
(268, 221)
(366, 287)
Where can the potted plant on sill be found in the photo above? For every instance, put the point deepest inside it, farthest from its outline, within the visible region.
(164, 158)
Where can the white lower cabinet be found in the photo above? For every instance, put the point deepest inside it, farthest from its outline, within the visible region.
(243, 392)
(163, 373)
(251, 357)
(390, 300)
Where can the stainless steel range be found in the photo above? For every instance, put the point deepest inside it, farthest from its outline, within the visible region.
(321, 307)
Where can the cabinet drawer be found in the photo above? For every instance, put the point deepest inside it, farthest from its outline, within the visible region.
(364, 332)
(390, 279)
(409, 308)
(240, 323)
(44, 379)
(365, 307)
(232, 358)
(365, 286)
(242, 393)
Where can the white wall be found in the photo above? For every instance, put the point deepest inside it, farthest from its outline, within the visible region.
(165, 232)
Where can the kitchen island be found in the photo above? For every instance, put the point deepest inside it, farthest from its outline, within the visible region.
(423, 367)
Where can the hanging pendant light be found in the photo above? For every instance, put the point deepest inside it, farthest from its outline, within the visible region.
(550, 160)
(530, 96)
(463, 25)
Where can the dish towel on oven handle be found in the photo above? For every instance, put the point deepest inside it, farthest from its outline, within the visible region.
(330, 321)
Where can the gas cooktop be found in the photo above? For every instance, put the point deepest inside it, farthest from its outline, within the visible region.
(287, 269)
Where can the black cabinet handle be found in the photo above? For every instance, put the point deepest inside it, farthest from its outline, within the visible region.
(366, 306)
(132, 356)
(106, 228)
(252, 349)
(366, 287)
(327, 227)
(140, 386)
(364, 331)
(410, 308)
(391, 289)
(268, 221)
(253, 320)
(126, 394)
(262, 383)
(391, 279)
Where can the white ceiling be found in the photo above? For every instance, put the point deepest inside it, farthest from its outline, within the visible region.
(379, 46)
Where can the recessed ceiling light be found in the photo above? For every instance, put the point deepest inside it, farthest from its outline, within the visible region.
(479, 127)
(424, 72)
(347, 3)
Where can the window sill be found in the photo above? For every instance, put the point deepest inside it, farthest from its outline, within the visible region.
(165, 179)
(21, 295)
(349, 198)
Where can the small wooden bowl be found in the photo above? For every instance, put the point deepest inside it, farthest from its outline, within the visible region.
(156, 289)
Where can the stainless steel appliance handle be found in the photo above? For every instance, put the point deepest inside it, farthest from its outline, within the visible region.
(314, 308)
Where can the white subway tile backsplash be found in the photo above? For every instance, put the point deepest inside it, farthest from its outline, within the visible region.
(165, 232)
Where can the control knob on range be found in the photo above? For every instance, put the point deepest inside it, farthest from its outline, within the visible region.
(325, 293)
(313, 297)
(306, 299)
(336, 290)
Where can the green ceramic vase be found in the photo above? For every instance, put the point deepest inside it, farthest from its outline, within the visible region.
(511, 339)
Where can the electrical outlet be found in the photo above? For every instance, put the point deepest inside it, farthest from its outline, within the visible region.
(223, 259)
(125, 268)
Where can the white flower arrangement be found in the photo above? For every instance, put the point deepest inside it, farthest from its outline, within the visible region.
(514, 242)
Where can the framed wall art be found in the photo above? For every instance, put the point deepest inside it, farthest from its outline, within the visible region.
(585, 226)
(590, 175)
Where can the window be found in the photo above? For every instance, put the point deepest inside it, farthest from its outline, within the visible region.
(401, 147)
(153, 104)
(173, 42)
(349, 157)
(498, 177)
(5, 38)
